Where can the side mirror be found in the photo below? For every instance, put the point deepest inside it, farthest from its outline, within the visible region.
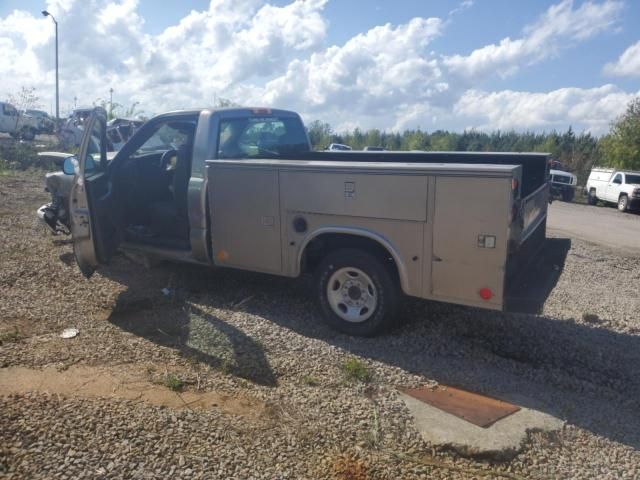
(68, 166)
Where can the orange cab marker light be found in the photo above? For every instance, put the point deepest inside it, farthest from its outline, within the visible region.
(261, 111)
(485, 293)
(514, 184)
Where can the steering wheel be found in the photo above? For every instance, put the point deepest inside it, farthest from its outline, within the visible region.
(164, 159)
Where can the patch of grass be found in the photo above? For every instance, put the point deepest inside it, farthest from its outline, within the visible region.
(10, 336)
(173, 382)
(310, 380)
(356, 370)
(591, 318)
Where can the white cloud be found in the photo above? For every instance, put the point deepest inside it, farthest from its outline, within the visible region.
(382, 68)
(628, 64)
(103, 45)
(561, 24)
(593, 108)
(464, 5)
(257, 53)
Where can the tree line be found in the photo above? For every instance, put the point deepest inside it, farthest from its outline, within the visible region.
(619, 148)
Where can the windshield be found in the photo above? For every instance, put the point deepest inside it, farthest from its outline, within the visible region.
(261, 137)
(633, 179)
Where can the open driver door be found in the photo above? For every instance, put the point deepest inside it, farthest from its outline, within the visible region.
(95, 238)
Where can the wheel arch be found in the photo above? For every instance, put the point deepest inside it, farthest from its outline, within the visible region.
(324, 240)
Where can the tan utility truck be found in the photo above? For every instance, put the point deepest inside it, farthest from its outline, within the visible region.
(240, 188)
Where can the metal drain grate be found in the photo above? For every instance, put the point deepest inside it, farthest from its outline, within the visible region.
(478, 409)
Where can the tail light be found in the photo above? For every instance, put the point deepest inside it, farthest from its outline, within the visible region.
(485, 293)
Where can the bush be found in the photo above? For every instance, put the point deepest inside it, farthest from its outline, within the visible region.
(15, 155)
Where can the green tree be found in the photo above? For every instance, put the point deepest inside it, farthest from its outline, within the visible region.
(621, 147)
(319, 134)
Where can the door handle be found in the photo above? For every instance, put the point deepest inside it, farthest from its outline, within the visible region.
(436, 258)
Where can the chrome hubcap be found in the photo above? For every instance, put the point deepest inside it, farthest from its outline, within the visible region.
(352, 294)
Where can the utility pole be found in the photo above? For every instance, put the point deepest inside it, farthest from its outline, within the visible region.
(75, 102)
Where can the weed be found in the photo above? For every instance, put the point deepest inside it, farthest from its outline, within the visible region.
(355, 370)
(349, 466)
(226, 366)
(310, 380)
(173, 382)
(10, 335)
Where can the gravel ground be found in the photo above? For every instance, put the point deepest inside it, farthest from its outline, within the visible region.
(249, 336)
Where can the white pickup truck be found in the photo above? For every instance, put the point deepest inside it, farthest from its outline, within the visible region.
(16, 124)
(614, 186)
(241, 188)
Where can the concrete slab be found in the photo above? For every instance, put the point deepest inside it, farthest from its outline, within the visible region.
(501, 441)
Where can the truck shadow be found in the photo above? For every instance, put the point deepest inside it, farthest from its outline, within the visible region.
(583, 373)
(168, 321)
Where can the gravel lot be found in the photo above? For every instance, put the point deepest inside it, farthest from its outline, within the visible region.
(280, 404)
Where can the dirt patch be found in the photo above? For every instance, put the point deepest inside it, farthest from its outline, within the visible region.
(124, 384)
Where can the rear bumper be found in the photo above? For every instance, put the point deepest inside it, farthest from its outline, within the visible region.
(634, 203)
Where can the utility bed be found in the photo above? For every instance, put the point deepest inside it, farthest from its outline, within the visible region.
(454, 230)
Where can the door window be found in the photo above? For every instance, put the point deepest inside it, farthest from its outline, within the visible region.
(618, 179)
(10, 110)
(96, 158)
(166, 137)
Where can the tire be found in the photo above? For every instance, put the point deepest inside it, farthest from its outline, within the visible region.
(365, 308)
(591, 198)
(567, 195)
(623, 203)
(28, 134)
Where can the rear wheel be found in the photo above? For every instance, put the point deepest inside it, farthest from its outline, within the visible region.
(357, 293)
(591, 198)
(623, 203)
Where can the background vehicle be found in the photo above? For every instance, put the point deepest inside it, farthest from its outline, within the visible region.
(613, 186)
(120, 130)
(44, 122)
(241, 188)
(338, 147)
(563, 183)
(17, 124)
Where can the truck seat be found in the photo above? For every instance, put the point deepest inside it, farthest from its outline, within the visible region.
(170, 218)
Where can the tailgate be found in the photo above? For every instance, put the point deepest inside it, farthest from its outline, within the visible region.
(533, 212)
(527, 242)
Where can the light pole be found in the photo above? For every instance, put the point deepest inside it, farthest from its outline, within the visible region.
(111, 102)
(47, 14)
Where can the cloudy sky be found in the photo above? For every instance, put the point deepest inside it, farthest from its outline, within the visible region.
(390, 64)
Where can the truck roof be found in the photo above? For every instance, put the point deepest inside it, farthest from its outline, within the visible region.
(248, 110)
